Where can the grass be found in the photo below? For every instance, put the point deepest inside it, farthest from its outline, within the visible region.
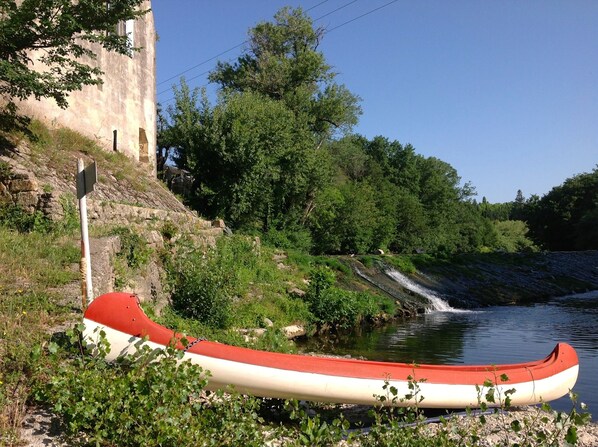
(58, 149)
(30, 264)
(36, 261)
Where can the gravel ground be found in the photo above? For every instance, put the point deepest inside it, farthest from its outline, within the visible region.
(42, 430)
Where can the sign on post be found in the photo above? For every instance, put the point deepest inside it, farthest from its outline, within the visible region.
(86, 179)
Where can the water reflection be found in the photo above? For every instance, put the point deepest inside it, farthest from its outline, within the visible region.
(490, 336)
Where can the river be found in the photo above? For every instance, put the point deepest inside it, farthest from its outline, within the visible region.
(505, 334)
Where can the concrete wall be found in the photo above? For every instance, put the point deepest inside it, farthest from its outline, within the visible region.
(121, 113)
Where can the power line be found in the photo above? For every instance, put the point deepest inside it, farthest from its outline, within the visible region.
(362, 15)
(202, 63)
(227, 51)
(335, 10)
(316, 5)
(326, 32)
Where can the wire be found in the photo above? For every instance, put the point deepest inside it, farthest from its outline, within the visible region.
(227, 51)
(202, 63)
(334, 10)
(362, 15)
(326, 32)
(316, 5)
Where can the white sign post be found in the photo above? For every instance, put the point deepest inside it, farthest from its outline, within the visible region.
(86, 178)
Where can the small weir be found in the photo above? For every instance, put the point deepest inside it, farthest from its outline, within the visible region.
(437, 304)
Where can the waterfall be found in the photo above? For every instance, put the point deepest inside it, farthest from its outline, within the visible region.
(437, 304)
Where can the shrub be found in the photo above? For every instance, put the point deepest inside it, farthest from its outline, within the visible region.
(402, 263)
(295, 238)
(332, 305)
(149, 398)
(204, 284)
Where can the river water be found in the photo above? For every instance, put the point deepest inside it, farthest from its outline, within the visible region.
(487, 336)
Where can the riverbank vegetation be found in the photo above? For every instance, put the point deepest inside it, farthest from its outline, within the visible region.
(45, 364)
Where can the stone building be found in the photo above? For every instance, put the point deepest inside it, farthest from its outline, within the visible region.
(120, 113)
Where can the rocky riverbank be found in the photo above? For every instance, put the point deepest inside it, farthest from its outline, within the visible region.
(475, 280)
(511, 278)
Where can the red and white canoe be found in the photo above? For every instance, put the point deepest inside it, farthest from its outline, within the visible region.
(269, 374)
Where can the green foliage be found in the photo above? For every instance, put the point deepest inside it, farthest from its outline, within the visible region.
(5, 170)
(331, 305)
(148, 398)
(335, 264)
(16, 218)
(203, 288)
(133, 248)
(289, 238)
(565, 218)
(256, 154)
(204, 283)
(168, 230)
(313, 431)
(511, 236)
(282, 62)
(64, 31)
(403, 263)
(49, 267)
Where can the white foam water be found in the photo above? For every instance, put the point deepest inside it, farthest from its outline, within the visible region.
(437, 303)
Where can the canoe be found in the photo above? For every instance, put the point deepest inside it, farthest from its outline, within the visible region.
(337, 380)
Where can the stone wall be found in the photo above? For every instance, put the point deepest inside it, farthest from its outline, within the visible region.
(119, 114)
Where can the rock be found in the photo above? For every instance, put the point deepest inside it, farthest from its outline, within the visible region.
(154, 239)
(294, 291)
(293, 331)
(21, 185)
(268, 322)
(281, 266)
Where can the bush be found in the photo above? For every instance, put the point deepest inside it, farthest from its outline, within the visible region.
(203, 289)
(402, 263)
(149, 398)
(204, 284)
(296, 238)
(332, 305)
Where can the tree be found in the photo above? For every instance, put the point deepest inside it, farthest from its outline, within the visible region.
(60, 35)
(565, 218)
(282, 62)
(253, 164)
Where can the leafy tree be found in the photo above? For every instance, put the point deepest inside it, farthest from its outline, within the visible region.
(181, 129)
(282, 62)
(253, 165)
(256, 154)
(512, 236)
(58, 34)
(565, 218)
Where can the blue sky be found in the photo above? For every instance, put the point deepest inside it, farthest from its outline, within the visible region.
(505, 91)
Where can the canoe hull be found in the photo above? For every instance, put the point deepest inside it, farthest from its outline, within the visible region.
(341, 380)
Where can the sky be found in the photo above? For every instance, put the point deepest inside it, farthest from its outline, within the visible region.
(506, 91)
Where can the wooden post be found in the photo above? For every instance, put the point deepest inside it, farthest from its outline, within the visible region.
(85, 180)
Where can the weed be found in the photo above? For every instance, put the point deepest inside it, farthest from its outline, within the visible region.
(169, 230)
(133, 248)
(5, 170)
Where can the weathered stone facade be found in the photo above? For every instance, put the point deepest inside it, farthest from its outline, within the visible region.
(121, 113)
